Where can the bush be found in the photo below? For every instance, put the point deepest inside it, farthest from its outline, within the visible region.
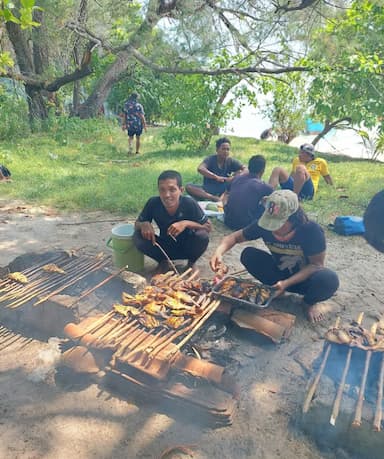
(13, 116)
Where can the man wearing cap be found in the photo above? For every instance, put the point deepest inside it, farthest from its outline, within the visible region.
(297, 252)
(305, 174)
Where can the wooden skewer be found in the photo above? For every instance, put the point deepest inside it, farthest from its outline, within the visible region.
(99, 323)
(339, 394)
(379, 401)
(191, 328)
(359, 406)
(44, 287)
(100, 284)
(124, 326)
(167, 257)
(316, 379)
(97, 266)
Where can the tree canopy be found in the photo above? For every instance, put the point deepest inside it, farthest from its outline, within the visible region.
(89, 49)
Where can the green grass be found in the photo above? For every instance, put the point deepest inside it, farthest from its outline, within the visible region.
(76, 166)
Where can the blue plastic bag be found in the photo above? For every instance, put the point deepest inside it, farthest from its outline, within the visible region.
(348, 225)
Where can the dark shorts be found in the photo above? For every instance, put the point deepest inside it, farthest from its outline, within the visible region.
(307, 192)
(132, 132)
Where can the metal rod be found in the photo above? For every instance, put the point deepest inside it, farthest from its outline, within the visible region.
(316, 379)
(339, 394)
(359, 406)
(379, 401)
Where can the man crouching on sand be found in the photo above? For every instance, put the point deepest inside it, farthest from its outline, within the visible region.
(183, 226)
(297, 253)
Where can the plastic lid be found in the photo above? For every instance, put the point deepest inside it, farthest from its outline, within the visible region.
(123, 231)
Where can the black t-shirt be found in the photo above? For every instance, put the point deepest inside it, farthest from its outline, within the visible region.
(231, 165)
(290, 256)
(188, 209)
(242, 208)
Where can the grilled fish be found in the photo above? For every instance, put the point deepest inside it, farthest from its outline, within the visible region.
(52, 268)
(18, 277)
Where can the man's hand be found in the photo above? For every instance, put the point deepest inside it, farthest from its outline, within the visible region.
(148, 232)
(279, 287)
(176, 228)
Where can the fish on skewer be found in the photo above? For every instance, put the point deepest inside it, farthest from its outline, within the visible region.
(53, 268)
(18, 277)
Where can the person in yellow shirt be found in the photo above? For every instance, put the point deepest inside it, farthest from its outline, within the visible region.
(305, 174)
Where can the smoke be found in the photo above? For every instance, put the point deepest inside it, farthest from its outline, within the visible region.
(46, 361)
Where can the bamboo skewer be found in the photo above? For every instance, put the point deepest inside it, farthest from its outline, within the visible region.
(379, 402)
(100, 284)
(99, 265)
(32, 270)
(339, 394)
(193, 326)
(316, 380)
(99, 323)
(46, 285)
(359, 406)
(123, 327)
(167, 257)
(212, 309)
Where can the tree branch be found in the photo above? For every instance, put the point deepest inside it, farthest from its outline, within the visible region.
(304, 4)
(221, 71)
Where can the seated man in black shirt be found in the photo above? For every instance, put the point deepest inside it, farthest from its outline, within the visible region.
(218, 171)
(297, 253)
(182, 224)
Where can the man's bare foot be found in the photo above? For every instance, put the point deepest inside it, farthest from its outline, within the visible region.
(318, 311)
(163, 267)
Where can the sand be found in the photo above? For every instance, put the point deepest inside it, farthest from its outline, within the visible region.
(41, 419)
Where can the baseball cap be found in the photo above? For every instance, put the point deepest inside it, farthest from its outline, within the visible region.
(308, 148)
(279, 206)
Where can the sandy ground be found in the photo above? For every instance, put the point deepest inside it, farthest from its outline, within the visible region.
(40, 419)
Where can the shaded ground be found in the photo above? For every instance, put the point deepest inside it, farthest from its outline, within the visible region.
(40, 419)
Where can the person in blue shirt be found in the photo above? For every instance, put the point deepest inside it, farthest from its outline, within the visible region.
(134, 121)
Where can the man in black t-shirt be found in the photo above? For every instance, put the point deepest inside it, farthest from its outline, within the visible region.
(297, 253)
(183, 226)
(242, 200)
(218, 171)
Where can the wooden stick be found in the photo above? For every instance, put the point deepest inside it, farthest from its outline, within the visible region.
(100, 284)
(359, 406)
(96, 267)
(99, 323)
(379, 401)
(45, 285)
(316, 379)
(339, 394)
(191, 328)
(167, 257)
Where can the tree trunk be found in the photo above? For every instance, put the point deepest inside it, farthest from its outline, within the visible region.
(155, 10)
(91, 106)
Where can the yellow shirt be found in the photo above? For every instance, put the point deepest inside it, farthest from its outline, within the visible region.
(317, 168)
